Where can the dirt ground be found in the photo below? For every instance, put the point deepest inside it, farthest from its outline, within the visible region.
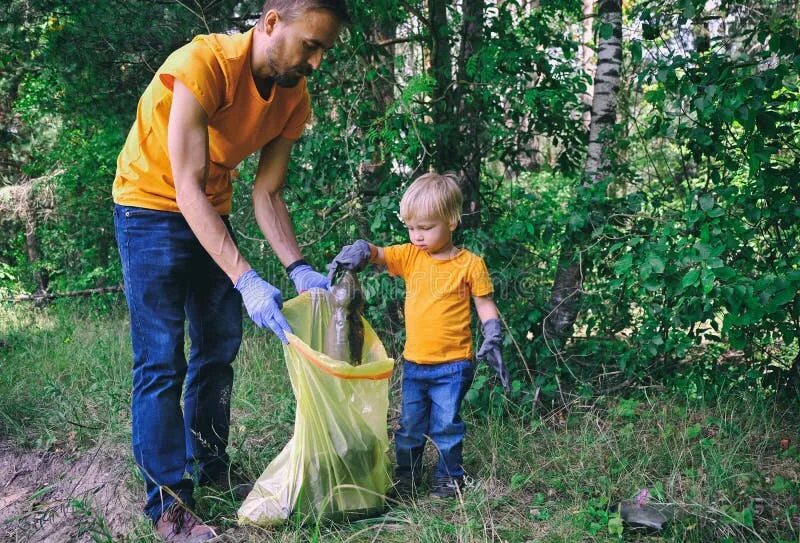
(60, 497)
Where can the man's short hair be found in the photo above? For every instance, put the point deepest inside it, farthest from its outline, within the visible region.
(433, 196)
(289, 10)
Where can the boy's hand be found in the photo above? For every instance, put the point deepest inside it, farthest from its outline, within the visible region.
(352, 257)
(490, 351)
(305, 278)
(263, 303)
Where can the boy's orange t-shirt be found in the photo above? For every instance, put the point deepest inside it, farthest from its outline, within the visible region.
(216, 68)
(437, 307)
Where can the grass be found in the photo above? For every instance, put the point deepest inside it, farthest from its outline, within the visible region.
(65, 385)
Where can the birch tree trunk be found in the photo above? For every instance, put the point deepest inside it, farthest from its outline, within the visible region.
(568, 282)
(587, 58)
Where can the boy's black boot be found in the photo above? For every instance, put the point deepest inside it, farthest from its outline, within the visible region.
(447, 487)
(403, 489)
(405, 485)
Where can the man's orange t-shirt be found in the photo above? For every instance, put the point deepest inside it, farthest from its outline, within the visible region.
(437, 307)
(216, 69)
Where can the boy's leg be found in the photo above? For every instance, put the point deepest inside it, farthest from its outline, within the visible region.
(214, 309)
(448, 388)
(154, 248)
(409, 441)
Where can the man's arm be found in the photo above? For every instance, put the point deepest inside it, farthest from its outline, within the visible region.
(187, 141)
(270, 209)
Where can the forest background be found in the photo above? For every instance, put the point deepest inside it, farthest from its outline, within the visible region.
(630, 172)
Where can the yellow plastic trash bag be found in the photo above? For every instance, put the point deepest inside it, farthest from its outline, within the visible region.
(336, 464)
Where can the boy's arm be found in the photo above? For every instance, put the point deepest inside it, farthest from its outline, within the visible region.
(490, 350)
(377, 255)
(355, 257)
(486, 308)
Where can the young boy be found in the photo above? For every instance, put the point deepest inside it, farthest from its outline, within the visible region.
(437, 360)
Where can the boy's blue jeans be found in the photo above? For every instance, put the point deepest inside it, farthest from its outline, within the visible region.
(431, 405)
(169, 277)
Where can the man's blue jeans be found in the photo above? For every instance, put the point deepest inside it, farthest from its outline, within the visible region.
(169, 277)
(431, 405)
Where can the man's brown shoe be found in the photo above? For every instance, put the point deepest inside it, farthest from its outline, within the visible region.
(179, 525)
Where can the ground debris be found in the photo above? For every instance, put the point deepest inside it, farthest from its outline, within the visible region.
(56, 497)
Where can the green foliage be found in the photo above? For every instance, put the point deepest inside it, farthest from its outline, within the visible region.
(531, 477)
(693, 235)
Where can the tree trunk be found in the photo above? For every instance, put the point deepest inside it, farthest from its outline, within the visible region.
(587, 58)
(442, 73)
(375, 169)
(468, 112)
(455, 112)
(19, 205)
(568, 282)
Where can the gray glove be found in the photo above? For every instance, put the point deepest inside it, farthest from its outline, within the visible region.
(263, 303)
(352, 257)
(305, 278)
(490, 351)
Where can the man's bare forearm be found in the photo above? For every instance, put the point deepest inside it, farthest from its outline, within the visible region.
(273, 219)
(189, 157)
(211, 231)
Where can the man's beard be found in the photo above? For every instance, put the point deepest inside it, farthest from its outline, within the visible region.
(287, 78)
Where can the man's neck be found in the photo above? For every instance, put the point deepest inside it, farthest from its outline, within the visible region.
(264, 86)
(259, 69)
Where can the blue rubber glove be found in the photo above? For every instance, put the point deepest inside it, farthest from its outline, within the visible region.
(305, 278)
(263, 303)
(490, 351)
(352, 257)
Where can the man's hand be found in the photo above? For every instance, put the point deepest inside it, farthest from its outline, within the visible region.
(352, 257)
(263, 303)
(305, 278)
(490, 351)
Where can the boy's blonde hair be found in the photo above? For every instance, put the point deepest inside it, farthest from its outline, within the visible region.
(433, 196)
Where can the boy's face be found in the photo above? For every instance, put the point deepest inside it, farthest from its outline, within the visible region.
(431, 235)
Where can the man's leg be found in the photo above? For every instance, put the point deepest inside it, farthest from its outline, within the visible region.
(409, 441)
(214, 309)
(153, 249)
(447, 430)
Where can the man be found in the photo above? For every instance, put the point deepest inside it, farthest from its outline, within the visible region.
(211, 104)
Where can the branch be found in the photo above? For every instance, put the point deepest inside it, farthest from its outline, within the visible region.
(51, 296)
(417, 13)
(394, 41)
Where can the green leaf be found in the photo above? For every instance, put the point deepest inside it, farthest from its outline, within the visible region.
(656, 263)
(636, 51)
(624, 264)
(605, 30)
(706, 202)
(707, 280)
(784, 297)
(690, 278)
(693, 431)
(615, 525)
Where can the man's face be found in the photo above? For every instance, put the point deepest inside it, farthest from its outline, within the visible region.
(295, 48)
